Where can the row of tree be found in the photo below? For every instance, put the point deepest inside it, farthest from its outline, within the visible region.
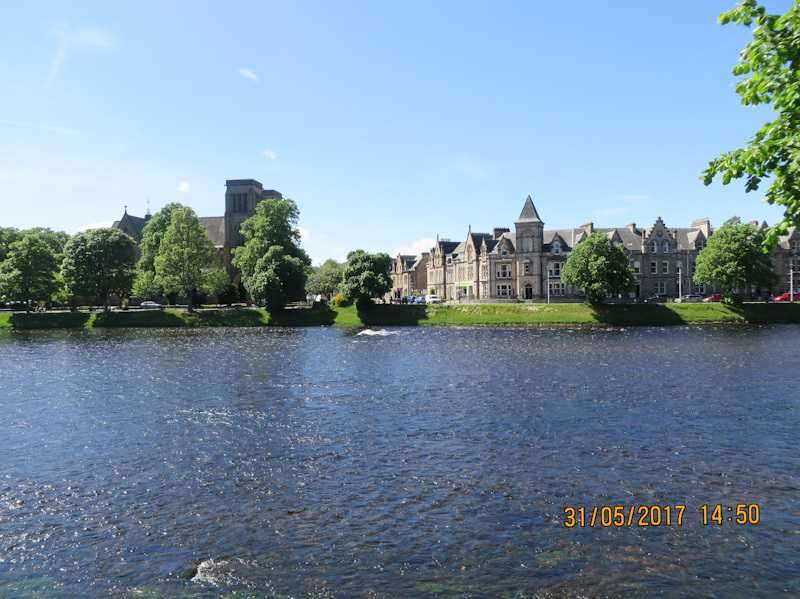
(733, 259)
(178, 259)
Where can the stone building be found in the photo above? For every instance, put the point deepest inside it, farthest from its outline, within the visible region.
(409, 275)
(241, 198)
(526, 263)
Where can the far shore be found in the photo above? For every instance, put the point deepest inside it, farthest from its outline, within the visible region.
(509, 315)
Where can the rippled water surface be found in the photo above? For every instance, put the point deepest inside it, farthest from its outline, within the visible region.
(427, 462)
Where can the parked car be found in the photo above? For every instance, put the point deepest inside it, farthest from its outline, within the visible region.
(653, 299)
(692, 298)
(714, 297)
(433, 299)
(149, 305)
(788, 297)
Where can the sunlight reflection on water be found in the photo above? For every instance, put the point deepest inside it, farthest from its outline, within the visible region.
(420, 462)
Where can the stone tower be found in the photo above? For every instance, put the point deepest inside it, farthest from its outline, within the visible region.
(241, 198)
(529, 239)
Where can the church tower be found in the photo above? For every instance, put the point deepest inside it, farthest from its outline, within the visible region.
(241, 198)
(529, 240)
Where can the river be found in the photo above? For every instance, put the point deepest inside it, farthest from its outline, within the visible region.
(408, 462)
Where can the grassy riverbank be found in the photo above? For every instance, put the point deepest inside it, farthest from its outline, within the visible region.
(397, 315)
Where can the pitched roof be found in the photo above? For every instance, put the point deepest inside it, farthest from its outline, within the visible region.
(529, 214)
(215, 225)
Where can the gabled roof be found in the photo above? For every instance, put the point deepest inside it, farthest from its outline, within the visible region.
(215, 226)
(529, 214)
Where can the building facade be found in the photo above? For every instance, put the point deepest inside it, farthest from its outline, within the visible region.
(525, 264)
(241, 198)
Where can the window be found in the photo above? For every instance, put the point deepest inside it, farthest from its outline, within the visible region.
(527, 268)
(665, 247)
(556, 288)
(665, 268)
(503, 290)
(503, 271)
(554, 269)
(556, 248)
(654, 247)
(654, 268)
(661, 288)
(795, 245)
(471, 274)
(637, 267)
(485, 271)
(527, 244)
(504, 251)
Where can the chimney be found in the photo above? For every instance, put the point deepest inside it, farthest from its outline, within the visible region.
(498, 231)
(588, 227)
(704, 225)
(632, 228)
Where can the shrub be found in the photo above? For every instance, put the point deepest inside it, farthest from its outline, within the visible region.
(340, 301)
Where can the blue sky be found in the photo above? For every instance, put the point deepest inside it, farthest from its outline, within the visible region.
(388, 123)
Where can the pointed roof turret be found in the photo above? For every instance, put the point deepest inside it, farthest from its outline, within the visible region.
(529, 214)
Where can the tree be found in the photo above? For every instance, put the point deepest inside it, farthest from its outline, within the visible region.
(99, 263)
(152, 234)
(273, 224)
(365, 276)
(598, 268)
(325, 279)
(8, 235)
(733, 258)
(187, 262)
(278, 279)
(29, 271)
(274, 267)
(772, 61)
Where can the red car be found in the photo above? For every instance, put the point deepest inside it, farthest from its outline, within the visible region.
(788, 297)
(714, 297)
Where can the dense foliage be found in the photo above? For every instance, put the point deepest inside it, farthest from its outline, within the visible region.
(366, 276)
(274, 267)
(28, 272)
(99, 263)
(187, 263)
(772, 65)
(598, 268)
(325, 279)
(733, 259)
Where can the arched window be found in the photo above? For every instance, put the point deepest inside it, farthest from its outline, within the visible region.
(654, 247)
(527, 243)
(665, 247)
(556, 248)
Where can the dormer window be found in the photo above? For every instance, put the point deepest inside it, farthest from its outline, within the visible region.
(504, 252)
(795, 245)
(556, 248)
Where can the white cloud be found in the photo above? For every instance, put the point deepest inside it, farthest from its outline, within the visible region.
(270, 154)
(70, 41)
(185, 187)
(103, 224)
(248, 74)
(423, 245)
(305, 234)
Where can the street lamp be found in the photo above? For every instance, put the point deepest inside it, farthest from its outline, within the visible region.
(679, 264)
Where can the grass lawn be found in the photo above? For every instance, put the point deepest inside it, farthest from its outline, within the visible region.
(418, 315)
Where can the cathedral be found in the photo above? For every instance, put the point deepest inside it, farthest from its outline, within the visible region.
(241, 198)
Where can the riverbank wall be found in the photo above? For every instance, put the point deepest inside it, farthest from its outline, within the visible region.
(418, 315)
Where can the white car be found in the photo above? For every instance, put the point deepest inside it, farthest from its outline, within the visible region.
(149, 305)
(433, 299)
